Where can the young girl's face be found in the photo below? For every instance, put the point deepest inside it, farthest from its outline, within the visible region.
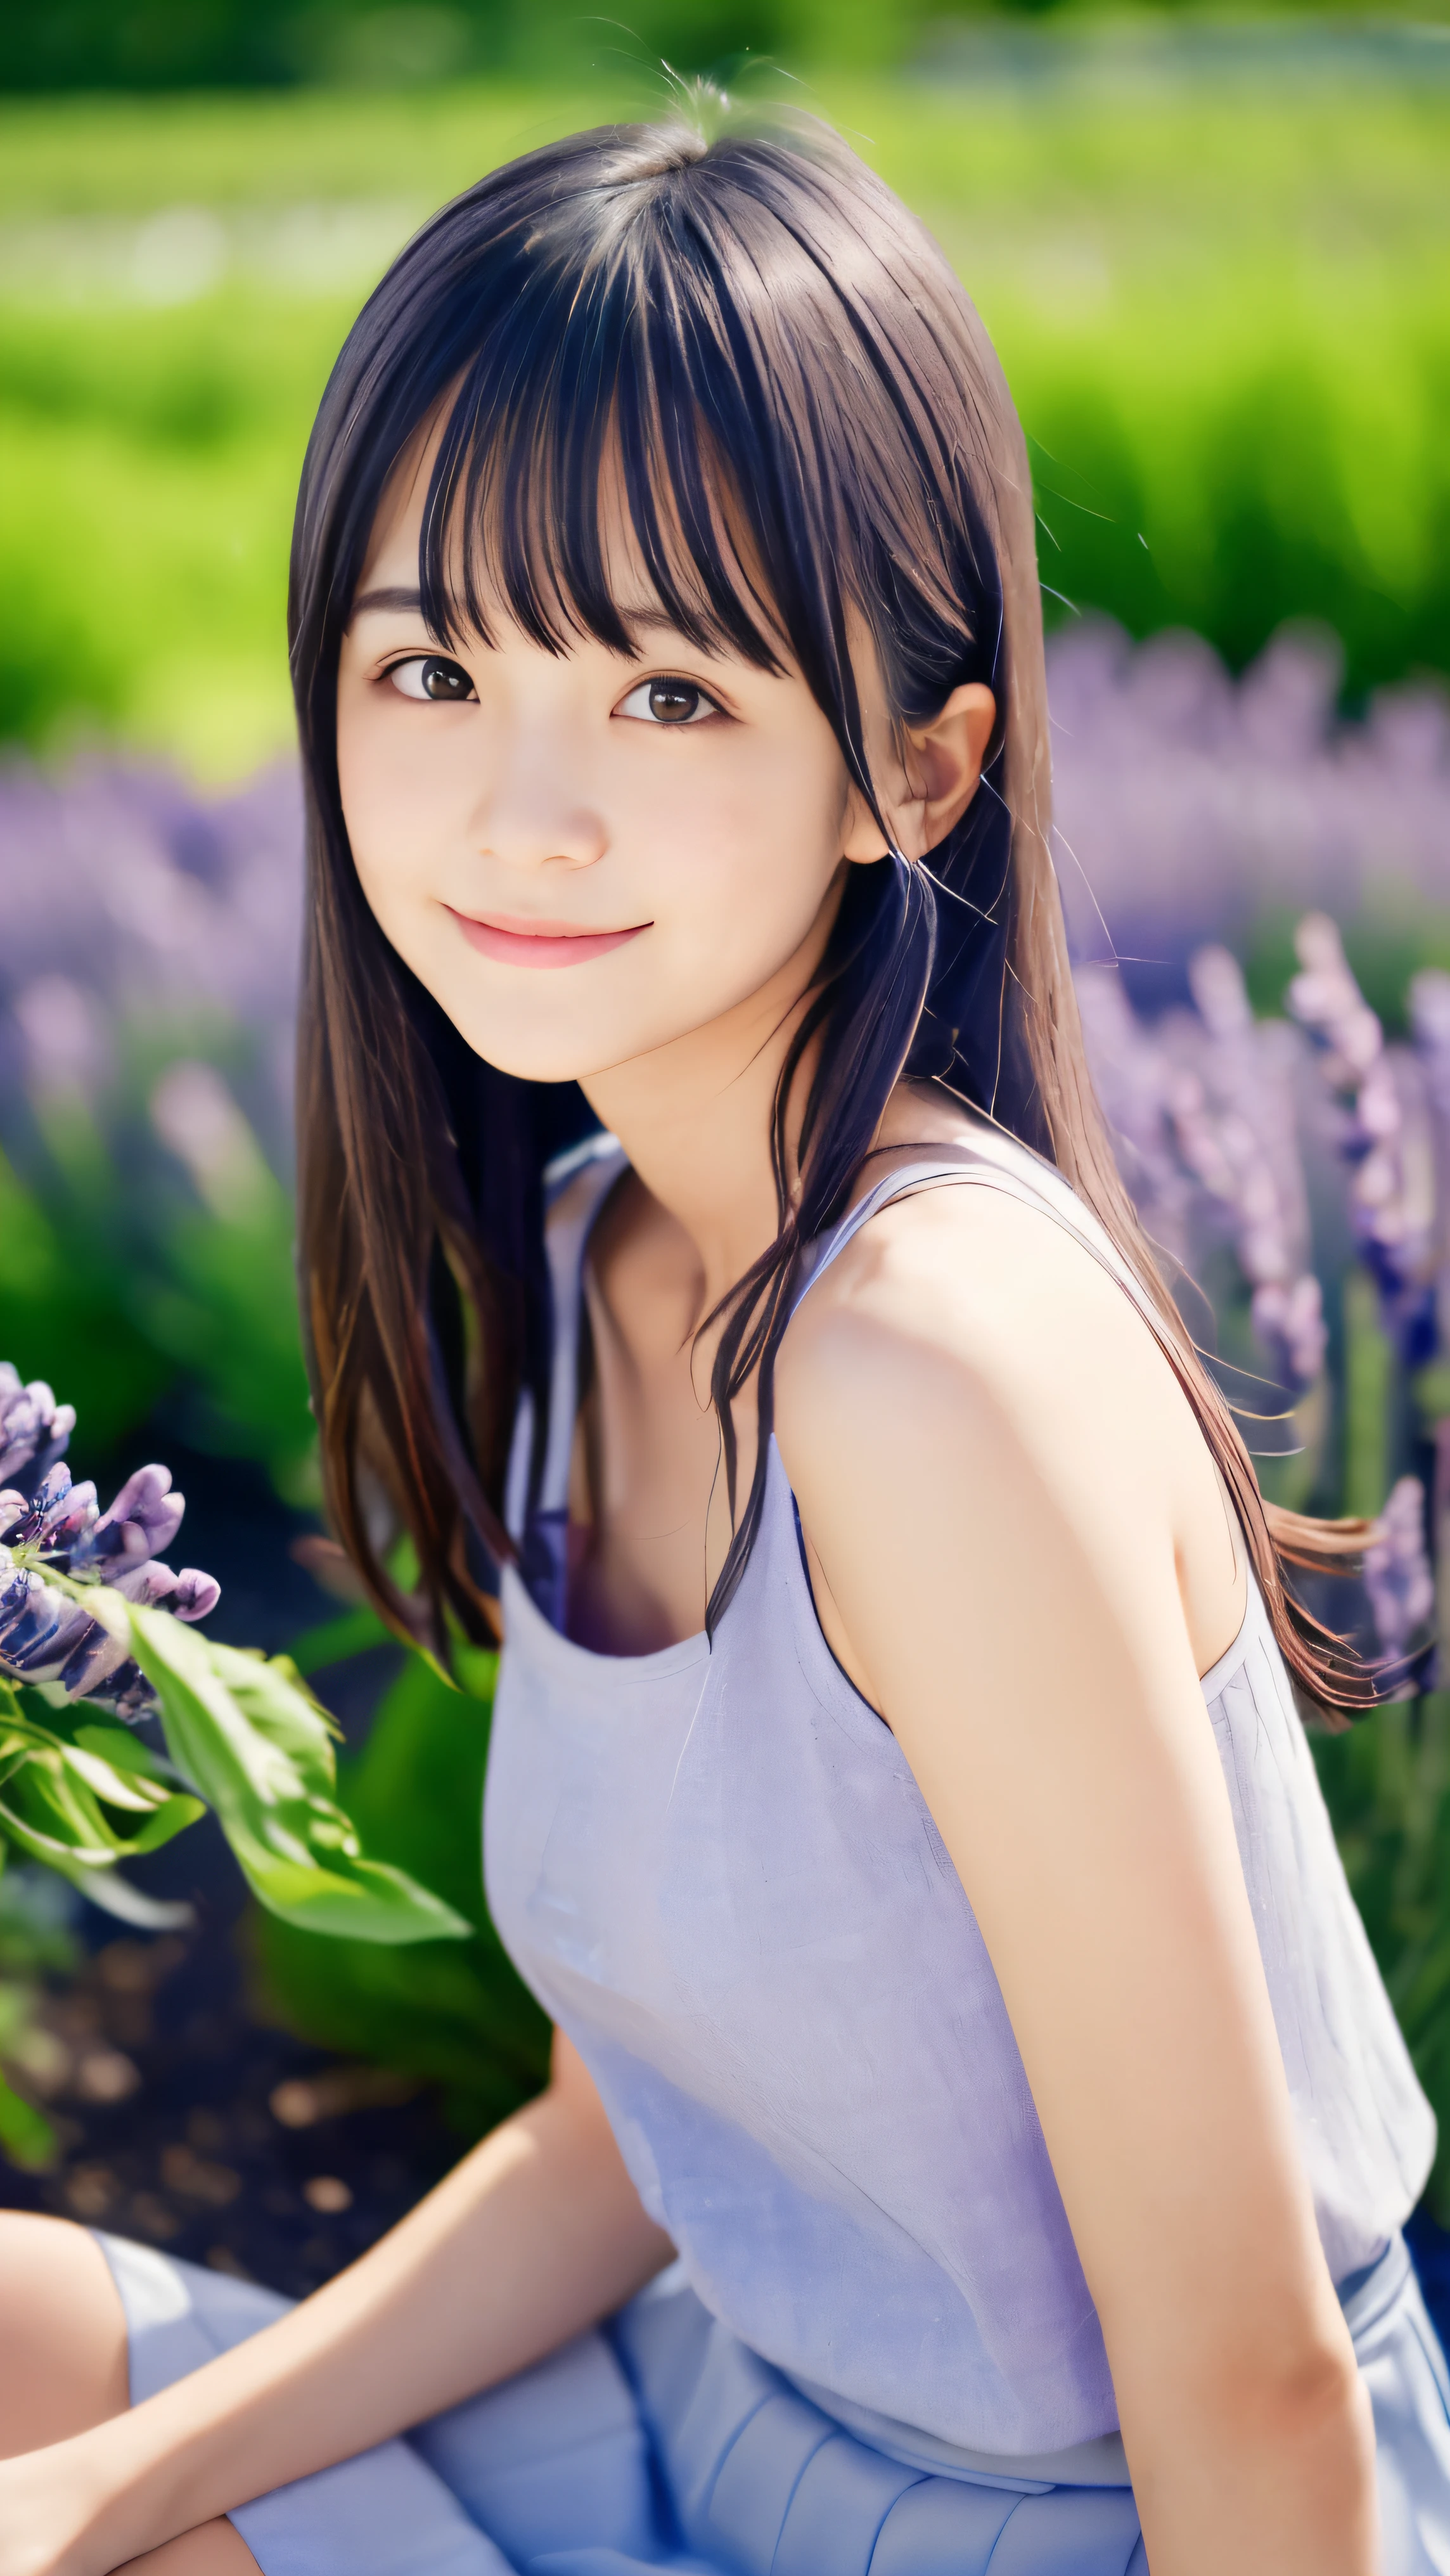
(583, 857)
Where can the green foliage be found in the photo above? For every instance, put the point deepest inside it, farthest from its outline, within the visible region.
(160, 45)
(246, 1733)
(242, 1734)
(146, 45)
(63, 1309)
(26, 2136)
(219, 1299)
(1369, 1395)
(456, 2016)
(80, 1796)
(1384, 948)
(1227, 328)
(34, 1943)
(120, 1289)
(1225, 315)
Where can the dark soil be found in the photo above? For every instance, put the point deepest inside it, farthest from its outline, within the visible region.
(185, 2123)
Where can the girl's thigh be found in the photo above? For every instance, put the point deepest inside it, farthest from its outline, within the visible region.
(64, 2367)
(63, 2363)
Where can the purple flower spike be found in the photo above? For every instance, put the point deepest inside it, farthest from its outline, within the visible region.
(1289, 1320)
(96, 1659)
(1384, 1107)
(145, 1584)
(196, 1595)
(55, 1519)
(48, 1503)
(1397, 1573)
(67, 1523)
(144, 1518)
(50, 1527)
(39, 1627)
(33, 1427)
(1325, 999)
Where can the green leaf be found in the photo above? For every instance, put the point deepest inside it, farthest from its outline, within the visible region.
(249, 1737)
(54, 1795)
(123, 1750)
(133, 1795)
(453, 2013)
(26, 2136)
(277, 1699)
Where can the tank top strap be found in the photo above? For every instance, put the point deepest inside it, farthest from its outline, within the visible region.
(575, 1187)
(990, 1160)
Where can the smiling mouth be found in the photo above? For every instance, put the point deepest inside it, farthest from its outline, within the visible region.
(539, 943)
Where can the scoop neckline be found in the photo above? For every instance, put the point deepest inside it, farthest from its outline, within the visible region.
(518, 1600)
(686, 1651)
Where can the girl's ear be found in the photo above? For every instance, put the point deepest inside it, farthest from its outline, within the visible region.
(928, 785)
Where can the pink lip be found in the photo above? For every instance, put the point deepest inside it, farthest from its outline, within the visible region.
(538, 943)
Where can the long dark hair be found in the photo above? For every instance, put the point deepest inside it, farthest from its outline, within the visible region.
(750, 338)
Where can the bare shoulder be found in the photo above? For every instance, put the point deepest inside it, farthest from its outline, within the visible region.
(969, 1362)
(964, 1290)
(970, 1274)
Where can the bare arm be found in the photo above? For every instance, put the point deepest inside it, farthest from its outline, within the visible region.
(538, 2233)
(1011, 1523)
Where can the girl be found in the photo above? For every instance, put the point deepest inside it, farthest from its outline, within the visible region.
(977, 2134)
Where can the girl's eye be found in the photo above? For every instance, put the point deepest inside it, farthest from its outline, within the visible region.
(669, 702)
(431, 675)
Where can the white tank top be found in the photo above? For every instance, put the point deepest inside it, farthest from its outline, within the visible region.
(715, 1869)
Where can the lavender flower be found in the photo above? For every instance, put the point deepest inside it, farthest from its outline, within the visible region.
(1429, 1000)
(1397, 1573)
(1247, 1081)
(1134, 1079)
(54, 1537)
(1288, 1318)
(33, 1427)
(1383, 1132)
(1190, 804)
(176, 904)
(1204, 1114)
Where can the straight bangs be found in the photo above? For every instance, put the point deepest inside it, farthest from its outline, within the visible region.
(690, 419)
(729, 381)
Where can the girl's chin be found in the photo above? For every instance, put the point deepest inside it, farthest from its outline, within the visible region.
(535, 1061)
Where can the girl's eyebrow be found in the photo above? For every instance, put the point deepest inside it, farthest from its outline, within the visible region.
(392, 600)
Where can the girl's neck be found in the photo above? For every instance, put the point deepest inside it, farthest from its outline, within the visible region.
(694, 1118)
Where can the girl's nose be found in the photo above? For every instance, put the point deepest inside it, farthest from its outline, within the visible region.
(533, 812)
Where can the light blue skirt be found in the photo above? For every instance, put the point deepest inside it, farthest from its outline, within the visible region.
(661, 2441)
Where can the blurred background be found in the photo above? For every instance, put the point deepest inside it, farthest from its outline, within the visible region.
(1214, 252)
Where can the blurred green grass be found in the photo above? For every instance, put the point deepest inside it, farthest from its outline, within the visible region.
(1225, 312)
